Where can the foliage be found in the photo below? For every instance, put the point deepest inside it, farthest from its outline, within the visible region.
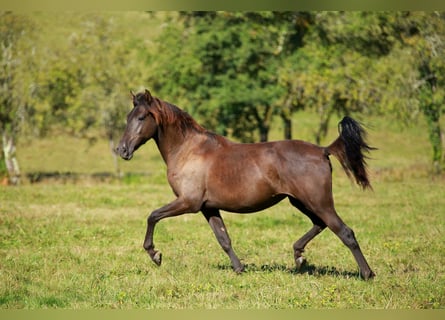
(15, 96)
(429, 48)
(87, 77)
(372, 62)
(84, 77)
(224, 64)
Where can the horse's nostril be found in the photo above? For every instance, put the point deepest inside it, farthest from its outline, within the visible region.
(123, 151)
(120, 149)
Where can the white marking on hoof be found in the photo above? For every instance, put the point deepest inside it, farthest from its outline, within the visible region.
(299, 262)
(157, 258)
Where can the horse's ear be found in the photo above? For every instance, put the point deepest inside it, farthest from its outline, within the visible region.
(133, 97)
(147, 96)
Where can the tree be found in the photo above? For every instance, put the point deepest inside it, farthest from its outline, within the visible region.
(372, 62)
(106, 69)
(86, 84)
(225, 65)
(335, 69)
(426, 37)
(14, 92)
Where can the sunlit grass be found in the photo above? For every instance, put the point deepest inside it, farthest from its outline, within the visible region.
(83, 250)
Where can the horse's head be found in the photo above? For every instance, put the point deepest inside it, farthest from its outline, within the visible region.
(141, 125)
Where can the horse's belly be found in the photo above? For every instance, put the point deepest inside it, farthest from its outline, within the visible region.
(242, 202)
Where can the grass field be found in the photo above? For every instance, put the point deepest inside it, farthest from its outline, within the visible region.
(79, 244)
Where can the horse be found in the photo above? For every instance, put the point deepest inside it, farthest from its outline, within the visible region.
(208, 173)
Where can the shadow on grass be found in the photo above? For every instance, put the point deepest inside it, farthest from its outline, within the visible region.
(310, 269)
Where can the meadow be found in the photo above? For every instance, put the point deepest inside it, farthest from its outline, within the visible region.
(77, 244)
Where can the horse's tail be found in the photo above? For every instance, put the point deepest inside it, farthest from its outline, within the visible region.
(349, 149)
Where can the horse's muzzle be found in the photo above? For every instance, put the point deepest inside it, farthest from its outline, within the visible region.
(124, 152)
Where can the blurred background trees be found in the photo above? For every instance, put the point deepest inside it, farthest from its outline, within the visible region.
(15, 98)
(234, 71)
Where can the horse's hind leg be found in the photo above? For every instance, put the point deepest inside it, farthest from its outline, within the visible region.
(347, 236)
(217, 224)
(301, 243)
(327, 216)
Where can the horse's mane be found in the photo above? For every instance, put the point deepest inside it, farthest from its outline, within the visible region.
(166, 113)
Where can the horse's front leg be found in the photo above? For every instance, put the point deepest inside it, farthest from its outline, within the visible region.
(175, 208)
(217, 224)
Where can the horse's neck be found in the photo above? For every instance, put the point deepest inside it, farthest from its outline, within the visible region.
(170, 142)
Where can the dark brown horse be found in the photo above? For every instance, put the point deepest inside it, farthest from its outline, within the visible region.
(209, 173)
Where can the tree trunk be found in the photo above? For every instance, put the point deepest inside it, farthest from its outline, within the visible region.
(442, 161)
(264, 122)
(325, 116)
(115, 158)
(286, 115)
(11, 163)
(287, 128)
(264, 133)
(432, 115)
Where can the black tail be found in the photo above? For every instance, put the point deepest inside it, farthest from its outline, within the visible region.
(349, 149)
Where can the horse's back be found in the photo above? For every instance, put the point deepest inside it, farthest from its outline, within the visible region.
(299, 165)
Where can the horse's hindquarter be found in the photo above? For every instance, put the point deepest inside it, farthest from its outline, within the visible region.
(251, 177)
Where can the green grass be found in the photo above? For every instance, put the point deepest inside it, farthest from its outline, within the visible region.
(79, 245)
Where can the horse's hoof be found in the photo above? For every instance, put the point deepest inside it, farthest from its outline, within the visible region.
(300, 262)
(239, 270)
(157, 258)
(367, 276)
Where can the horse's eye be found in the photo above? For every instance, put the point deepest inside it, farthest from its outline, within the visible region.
(142, 118)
